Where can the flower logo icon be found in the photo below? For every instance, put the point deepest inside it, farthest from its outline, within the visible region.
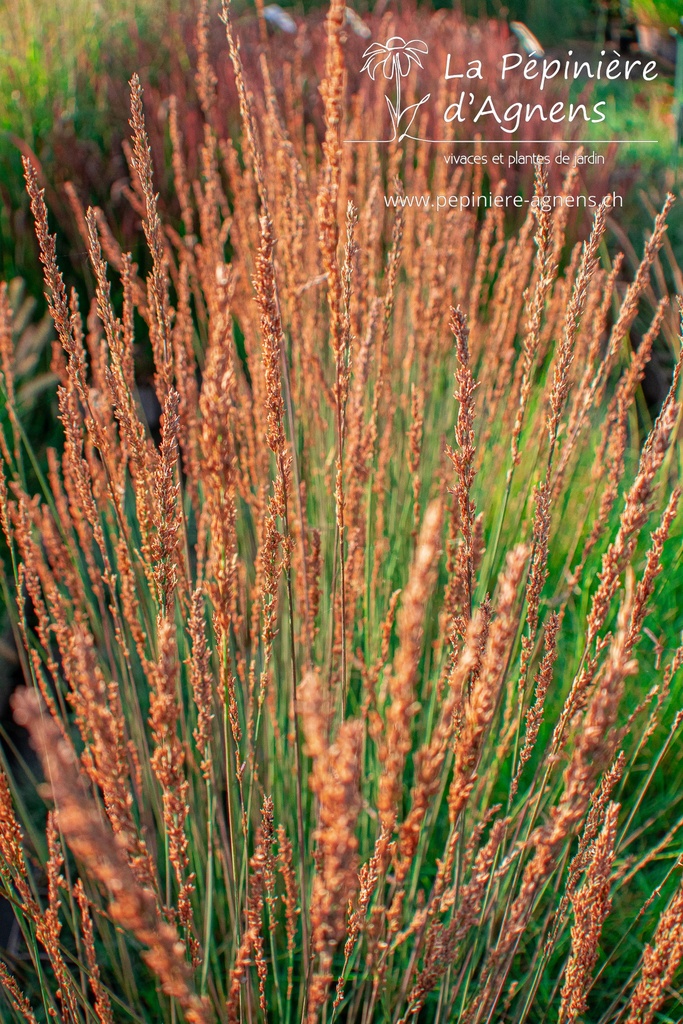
(395, 59)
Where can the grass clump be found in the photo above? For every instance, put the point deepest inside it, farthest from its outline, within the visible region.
(343, 692)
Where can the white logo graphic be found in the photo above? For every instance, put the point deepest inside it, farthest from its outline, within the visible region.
(395, 59)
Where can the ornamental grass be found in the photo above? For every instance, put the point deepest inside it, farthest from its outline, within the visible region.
(355, 693)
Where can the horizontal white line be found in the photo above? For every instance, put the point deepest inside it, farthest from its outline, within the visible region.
(548, 142)
(510, 142)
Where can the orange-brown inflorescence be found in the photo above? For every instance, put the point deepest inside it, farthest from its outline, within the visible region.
(482, 700)
(660, 963)
(592, 905)
(251, 945)
(95, 846)
(402, 682)
(335, 782)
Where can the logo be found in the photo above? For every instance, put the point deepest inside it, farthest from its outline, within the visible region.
(394, 59)
(520, 90)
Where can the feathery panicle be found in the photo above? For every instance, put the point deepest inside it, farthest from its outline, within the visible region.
(534, 715)
(251, 945)
(482, 699)
(592, 905)
(102, 1001)
(574, 312)
(660, 962)
(158, 281)
(94, 845)
(402, 708)
(16, 997)
(544, 280)
(429, 759)
(593, 747)
(290, 898)
(463, 457)
(443, 942)
(205, 77)
(335, 782)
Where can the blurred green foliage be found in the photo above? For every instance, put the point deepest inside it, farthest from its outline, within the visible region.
(660, 13)
(581, 17)
(58, 66)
